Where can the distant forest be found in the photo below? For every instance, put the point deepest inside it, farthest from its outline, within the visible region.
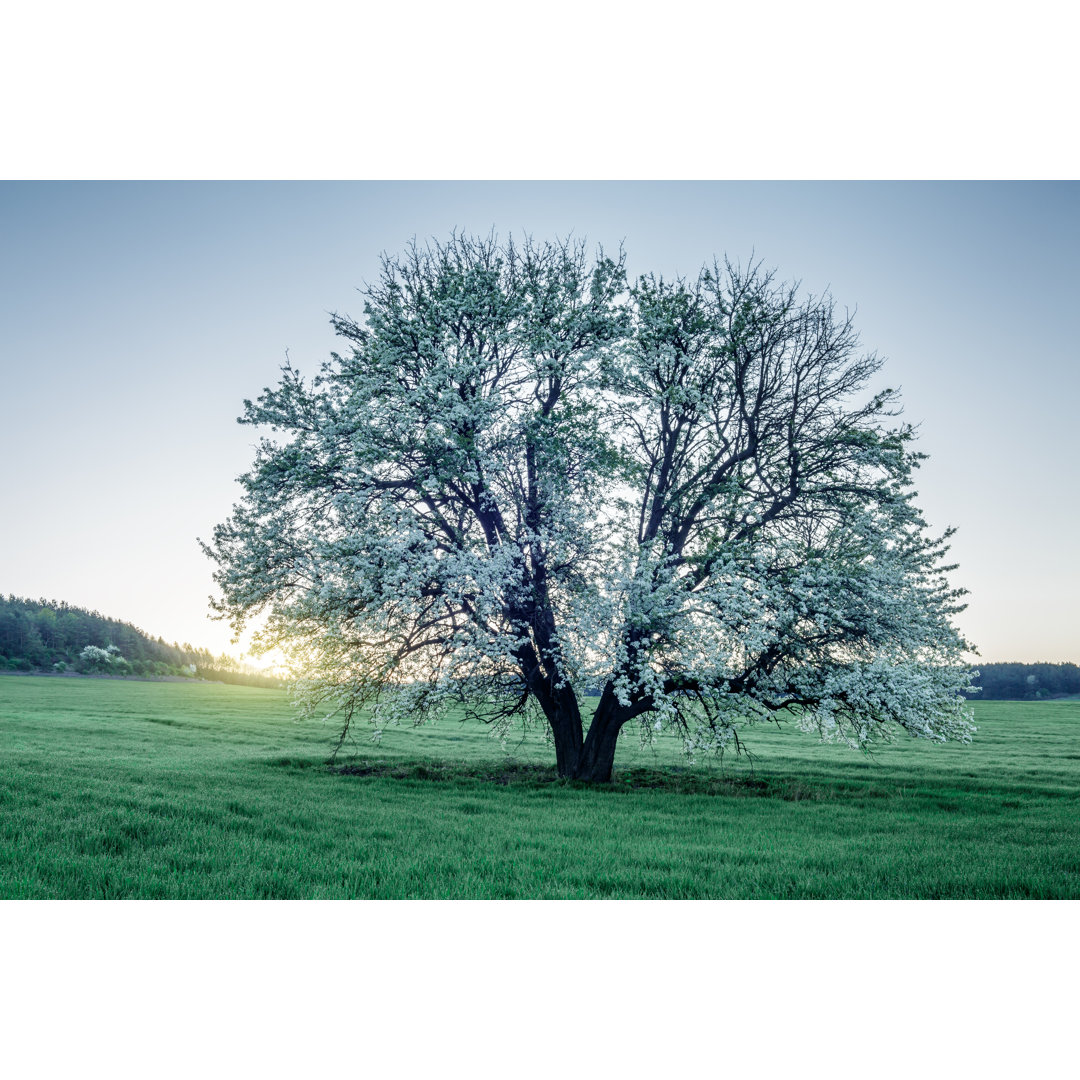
(1026, 682)
(49, 635)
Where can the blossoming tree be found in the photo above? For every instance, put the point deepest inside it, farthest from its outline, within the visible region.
(527, 482)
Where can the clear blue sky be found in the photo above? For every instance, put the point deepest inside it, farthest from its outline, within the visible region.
(135, 317)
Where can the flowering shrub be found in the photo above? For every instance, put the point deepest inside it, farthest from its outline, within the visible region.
(94, 659)
(108, 659)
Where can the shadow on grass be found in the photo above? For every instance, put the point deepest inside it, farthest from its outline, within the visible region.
(518, 774)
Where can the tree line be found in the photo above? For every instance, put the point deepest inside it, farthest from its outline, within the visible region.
(1027, 682)
(51, 635)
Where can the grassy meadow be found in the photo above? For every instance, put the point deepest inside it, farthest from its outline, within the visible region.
(125, 789)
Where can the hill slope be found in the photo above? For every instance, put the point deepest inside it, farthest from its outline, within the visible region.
(51, 635)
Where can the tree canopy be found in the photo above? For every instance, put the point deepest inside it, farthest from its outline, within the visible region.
(526, 480)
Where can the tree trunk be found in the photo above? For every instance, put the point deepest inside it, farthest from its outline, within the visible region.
(592, 760)
(564, 717)
(567, 747)
(592, 757)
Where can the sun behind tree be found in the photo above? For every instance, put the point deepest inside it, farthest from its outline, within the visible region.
(527, 481)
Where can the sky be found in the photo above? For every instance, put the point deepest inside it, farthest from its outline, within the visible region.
(135, 317)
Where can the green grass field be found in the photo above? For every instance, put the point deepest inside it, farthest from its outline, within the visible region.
(115, 789)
